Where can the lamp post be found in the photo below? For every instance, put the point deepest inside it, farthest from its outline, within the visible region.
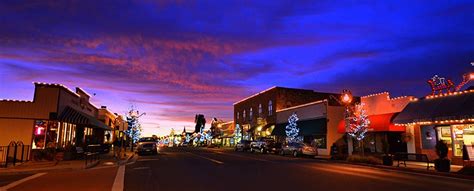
(346, 100)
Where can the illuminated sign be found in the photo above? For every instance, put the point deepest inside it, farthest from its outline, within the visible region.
(439, 84)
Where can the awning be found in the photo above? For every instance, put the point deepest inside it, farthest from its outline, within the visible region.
(71, 115)
(451, 107)
(378, 123)
(307, 127)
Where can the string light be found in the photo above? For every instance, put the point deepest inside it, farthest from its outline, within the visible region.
(449, 94)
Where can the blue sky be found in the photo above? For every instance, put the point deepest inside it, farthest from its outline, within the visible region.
(173, 59)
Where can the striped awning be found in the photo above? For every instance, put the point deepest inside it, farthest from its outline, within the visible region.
(71, 115)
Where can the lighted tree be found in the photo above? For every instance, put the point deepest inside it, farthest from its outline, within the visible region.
(292, 129)
(357, 124)
(134, 127)
(237, 133)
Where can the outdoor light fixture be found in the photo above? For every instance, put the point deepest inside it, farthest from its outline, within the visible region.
(346, 96)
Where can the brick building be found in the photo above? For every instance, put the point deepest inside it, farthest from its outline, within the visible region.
(256, 114)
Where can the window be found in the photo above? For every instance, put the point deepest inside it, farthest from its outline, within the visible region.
(251, 113)
(270, 107)
(238, 115)
(244, 115)
(259, 109)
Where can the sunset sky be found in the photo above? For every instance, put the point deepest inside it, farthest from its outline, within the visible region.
(173, 59)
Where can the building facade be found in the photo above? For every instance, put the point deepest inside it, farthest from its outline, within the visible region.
(448, 117)
(381, 109)
(56, 117)
(318, 124)
(256, 114)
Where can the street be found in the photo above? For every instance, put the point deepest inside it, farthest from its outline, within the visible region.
(215, 169)
(223, 169)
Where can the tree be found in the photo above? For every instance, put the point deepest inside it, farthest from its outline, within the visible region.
(134, 127)
(358, 123)
(200, 123)
(292, 129)
(237, 133)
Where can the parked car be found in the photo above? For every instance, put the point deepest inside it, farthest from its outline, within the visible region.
(243, 145)
(275, 147)
(298, 149)
(262, 145)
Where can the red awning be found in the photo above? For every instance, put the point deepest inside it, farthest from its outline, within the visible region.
(378, 123)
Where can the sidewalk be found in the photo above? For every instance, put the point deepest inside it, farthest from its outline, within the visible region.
(44, 166)
(411, 167)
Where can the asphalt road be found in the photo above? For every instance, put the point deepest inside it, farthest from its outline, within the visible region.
(213, 169)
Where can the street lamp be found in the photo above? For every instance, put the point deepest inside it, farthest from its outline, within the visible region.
(346, 97)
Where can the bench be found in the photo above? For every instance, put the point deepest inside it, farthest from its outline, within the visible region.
(402, 158)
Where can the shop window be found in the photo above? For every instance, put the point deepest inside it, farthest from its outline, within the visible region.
(316, 140)
(251, 114)
(428, 137)
(462, 134)
(270, 108)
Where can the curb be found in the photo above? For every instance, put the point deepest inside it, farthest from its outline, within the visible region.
(404, 170)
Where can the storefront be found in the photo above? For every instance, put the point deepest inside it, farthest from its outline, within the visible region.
(382, 135)
(448, 117)
(55, 118)
(317, 123)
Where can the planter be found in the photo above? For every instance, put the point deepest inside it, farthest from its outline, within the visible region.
(387, 160)
(59, 156)
(442, 165)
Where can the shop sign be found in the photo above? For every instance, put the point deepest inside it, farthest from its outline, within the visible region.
(439, 84)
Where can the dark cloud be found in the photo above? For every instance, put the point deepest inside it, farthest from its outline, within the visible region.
(178, 58)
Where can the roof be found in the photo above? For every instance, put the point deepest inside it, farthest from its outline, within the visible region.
(453, 107)
(264, 91)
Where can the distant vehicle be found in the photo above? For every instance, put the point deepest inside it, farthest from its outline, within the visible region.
(298, 149)
(147, 145)
(243, 145)
(262, 145)
(147, 139)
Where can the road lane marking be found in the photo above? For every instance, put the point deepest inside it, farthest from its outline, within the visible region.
(141, 168)
(119, 178)
(18, 182)
(210, 159)
(144, 160)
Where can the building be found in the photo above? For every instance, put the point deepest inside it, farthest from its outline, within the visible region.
(381, 109)
(225, 134)
(318, 124)
(111, 120)
(56, 117)
(448, 117)
(256, 114)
